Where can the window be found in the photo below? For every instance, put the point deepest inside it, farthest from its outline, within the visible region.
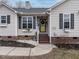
(27, 22)
(30, 22)
(66, 21)
(3, 19)
(24, 22)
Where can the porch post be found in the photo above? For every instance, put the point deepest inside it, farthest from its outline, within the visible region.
(50, 28)
(37, 29)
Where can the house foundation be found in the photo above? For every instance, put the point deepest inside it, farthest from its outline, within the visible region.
(65, 40)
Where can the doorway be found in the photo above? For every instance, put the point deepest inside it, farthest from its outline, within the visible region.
(43, 27)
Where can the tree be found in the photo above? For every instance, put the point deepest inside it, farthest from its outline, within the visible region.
(20, 4)
(5, 1)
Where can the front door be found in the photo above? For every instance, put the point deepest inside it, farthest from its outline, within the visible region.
(42, 26)
(44, 38)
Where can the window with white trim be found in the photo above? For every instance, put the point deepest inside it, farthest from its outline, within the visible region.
(3, 19)
(67, 21)
(27, 22)
(30, 22)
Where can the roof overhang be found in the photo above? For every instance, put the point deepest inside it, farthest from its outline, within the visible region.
(4, 4)
(57, 4)
(35, 14)
(22, 13)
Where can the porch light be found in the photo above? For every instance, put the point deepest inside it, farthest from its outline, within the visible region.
(78, 12)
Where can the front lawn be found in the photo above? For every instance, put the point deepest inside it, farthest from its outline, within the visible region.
(65, 52)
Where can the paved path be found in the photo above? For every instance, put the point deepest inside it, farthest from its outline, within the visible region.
(41, 49)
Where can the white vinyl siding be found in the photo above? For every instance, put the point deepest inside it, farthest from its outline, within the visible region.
(10, 29)
(68, 7)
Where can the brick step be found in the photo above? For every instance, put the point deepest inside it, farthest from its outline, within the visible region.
(43, 38)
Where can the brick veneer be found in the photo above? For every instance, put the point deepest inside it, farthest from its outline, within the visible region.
(65, 40)
(15, 38)
(24, 37)
(8, 38)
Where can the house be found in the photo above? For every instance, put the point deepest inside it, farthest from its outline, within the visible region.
(23, 23)
(58, 24)
(64, 22)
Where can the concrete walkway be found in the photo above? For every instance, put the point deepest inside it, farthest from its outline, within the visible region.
(41, 49)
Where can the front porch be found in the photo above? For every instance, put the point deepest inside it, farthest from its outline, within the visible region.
(35, 28)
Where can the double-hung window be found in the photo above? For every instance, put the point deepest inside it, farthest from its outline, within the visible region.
(30, 22)
(24, 24)
(3, 19)
(67, 21)
(27, 22)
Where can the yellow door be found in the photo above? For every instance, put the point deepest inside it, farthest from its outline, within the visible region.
(42, 26)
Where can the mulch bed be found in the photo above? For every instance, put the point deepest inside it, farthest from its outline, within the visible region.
(15, 44)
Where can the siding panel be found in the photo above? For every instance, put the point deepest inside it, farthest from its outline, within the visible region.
(70, 6)
(10, 29)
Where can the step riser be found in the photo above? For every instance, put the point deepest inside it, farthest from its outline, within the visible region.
(43, 38)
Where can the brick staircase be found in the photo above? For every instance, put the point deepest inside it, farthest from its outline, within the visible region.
(43, 38)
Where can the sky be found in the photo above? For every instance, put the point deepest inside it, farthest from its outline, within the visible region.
(38, 3)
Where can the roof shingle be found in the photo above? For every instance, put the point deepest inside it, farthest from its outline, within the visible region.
(31, 10)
